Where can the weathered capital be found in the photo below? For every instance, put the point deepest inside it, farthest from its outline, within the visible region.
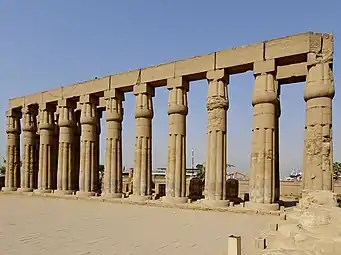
(217, 90)
(88, 105)
(144, 103)
(13, 121)
(265, 90)
(217, 75)
(177, 102)
(143, 88)
(114, 109)
(29, 121)
(46, 116)
(66, 113)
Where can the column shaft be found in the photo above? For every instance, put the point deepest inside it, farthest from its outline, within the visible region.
(143, 145)
(318, 145)
(264, 158)
(12, 175)
(89, 146)
(113, 155)
(177, 112)
(46, 129)
(29, 128)
(66, 122)
(217, 105)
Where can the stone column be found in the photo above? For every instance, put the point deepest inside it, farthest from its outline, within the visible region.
(143, 145)
(55, 145)
(318, 94)
(176, 169)
(29, 128)
(263, 153)
(89, 143)
(217, 105)
(12, 177)
(76, 144)
(66, 122)
(113, 155)
(46, 129)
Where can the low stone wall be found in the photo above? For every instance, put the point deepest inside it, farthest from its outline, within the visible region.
(288, 188)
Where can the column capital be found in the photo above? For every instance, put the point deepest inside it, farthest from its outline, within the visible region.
(178, 82)
(46, 116)
(264, 66)
(13, 121)
(66, 103)
(217, 75)
(143, 88)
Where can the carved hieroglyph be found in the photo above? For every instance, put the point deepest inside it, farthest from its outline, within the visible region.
(46, 129)
(113, 154)
(143, 144)
(217, 105)
(265, 115)
(29, 128)
(318, 94)
(66, 124)
(88, 172)
(13, 130)
(177, 112)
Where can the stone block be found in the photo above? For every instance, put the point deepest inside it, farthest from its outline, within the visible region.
(195, 65)
(265, 66)
(260, 243)
(143, 88)
(157, 72)
(239, 56)
(125, 79)
(234, 245)
(87, 87)
(287, 72)
(177, 82)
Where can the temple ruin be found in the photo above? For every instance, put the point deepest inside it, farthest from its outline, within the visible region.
(58, 130)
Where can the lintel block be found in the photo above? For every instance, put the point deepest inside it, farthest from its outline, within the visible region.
(177, 82)
(143, 88)
(265, 66)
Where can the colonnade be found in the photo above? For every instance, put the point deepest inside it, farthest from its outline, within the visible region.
(60, 140)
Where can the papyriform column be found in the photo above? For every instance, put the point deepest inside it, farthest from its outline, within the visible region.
(318, 94)
(113, 154)
(143, 145)
(66, 123)
(176, 168)
(29, 128)
(12, 176)
(217, 105)
(46, 129)
(263, 154)
(88, 171)
(76, 147)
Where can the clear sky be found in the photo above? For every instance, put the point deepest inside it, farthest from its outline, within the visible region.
(45, 44)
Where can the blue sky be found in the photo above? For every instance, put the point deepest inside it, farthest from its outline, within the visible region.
(45, 44)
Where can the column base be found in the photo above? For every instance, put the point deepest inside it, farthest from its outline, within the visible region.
(85, 193)
(111, 195)
(42, 191)
(174, 200)
(23, 190)
(63, 192)
(137, 198)
(262, 206)
(7, 189)
(215, 203)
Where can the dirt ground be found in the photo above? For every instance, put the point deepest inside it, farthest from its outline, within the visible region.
(37, 225)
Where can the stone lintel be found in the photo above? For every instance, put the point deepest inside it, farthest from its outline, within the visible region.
(217, 75)
(177, 82)
(114, 93)
(265, 66)
(143, 88)
(88, 99)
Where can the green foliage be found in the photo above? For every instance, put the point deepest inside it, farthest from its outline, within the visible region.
(337, 170)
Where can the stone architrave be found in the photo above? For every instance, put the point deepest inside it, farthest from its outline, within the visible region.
(46, 129)
(217, 105)
(29, 129)
(113, 155)
(177, 112)
(88, 171)
(12, 176)
(318, 144)
(143, 145)
(66, 123)
(263, 153)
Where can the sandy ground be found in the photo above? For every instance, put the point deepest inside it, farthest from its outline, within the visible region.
(37, 225)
